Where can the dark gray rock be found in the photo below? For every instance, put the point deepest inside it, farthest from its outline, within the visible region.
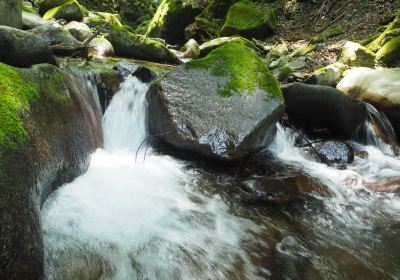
(313, 106)
(22, 49)
(55, 35)
(11, 13)
(331, 152)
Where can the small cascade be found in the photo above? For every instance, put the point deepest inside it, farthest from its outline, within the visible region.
(378, 131)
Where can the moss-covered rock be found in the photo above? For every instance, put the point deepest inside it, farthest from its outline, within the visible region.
(328, 75)
(11, 13)
(390, 52)
(22, 49)
(325, 35)
(223, 106)
(172, 17)
(355, 55)
(211, 45)
(45, 139)
(391, 31)
(247, 19)
(69, 11)
(129, 44)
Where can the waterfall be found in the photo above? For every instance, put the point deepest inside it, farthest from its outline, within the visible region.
(127, 220)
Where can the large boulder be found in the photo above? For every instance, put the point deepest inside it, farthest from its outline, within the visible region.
(11, 13)
(224, 106)
(129, 44)
(172, 17)
(70, 11)
(314, 106)
(379, 87)
(22, 49)
(48, 129)
(247, 19)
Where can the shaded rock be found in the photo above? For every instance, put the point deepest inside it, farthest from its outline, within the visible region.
(328, 76)
(55, 35)
(312, 106)
(70, 11)
(22, 49)
(31, 21)
(128, 44)
(224, 106)
(100, 46)
(378, 87)
(191, 49)
(45, 5)
(47, 132)
(390, 52)
(249, 20)
(207, 47)
(142, 73)
(355, 55)
(11, 13)
(171, 19)
(79, 30)
(331, 152)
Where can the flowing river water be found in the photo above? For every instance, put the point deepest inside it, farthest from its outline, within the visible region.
(149, 218)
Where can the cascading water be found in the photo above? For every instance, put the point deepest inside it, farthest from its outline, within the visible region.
(127, 220)
(150, 219)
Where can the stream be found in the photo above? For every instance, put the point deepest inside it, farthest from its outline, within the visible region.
(145, 215)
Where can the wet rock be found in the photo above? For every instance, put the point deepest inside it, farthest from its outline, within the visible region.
(22, 49)
(247, 19)
(48, 131)
(218, 106)
(129, 44)
(10, 13)
(390, 186)
(142, 73)
(311, 106)
(100, 46)
(79, 30)
(355, 55)
(334, 152)
(171, 19)
(379, 87)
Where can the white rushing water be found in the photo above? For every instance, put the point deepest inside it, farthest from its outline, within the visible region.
(144, 220)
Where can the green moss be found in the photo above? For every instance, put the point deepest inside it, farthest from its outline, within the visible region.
(322, 37)
(303, 51)
(390, 52)
(245, 70)
(249, 20)
(16, 94)
(392, 30)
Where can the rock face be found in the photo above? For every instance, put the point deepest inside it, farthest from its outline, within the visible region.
(171, 19)
(250, 21)
(324, 107)
(129, 44)
(224, 106)
(378, 87)
(11, 13)
(355, 55)
(47, 131)
(22, 49)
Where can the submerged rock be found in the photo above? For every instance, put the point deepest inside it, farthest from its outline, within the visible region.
(22, 49)
(11, 13)
(224, 106)
(47, 131)
(331, 152)
(247, 19)
(378, 87)
(311, 106)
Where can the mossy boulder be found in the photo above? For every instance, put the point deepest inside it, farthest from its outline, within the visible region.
(70, 11)
(223, 106)
(11, 13)
(390, 52)
(172, 17)
(315, 106)
(22, 49)
(129, 44)
(46, 136)
(211, 45)
(249, 20)
(380, 87)
(355, 55)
